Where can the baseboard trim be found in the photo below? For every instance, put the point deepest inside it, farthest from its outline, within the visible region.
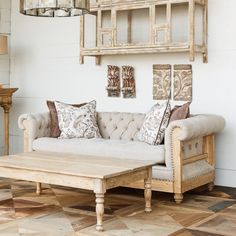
(225, 178)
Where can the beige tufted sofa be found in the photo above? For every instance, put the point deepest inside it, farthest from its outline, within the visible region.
(186, 161)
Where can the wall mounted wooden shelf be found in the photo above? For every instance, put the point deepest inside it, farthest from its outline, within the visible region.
(117, 34)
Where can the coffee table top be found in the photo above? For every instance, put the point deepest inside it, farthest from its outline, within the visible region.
(72, 164)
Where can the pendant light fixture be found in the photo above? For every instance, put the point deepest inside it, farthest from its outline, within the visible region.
(54, 8)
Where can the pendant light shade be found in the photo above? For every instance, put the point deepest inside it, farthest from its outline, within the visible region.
(54, 8)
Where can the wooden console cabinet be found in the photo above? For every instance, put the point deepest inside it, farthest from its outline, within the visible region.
(5, 103)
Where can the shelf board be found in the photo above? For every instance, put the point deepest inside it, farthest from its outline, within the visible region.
(136, 4)
(133, 50)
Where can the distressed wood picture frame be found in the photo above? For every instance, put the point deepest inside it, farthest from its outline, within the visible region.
(161, 82)
(183, 82)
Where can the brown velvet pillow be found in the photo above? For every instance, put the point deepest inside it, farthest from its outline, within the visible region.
(180, 112)
(54, 127)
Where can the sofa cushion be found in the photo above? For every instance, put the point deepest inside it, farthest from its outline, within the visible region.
(101, 147)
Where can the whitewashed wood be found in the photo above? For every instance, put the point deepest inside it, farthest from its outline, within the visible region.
(205, 31)
(197, 182)
(38, 188)
(178, 186)
(63, 158)
(192, 29)
(169, 26)
(136, 175)
(6, 102)
(91, 173)
(178, 159)
(209, 147)
(81, 38)
(148, 191)
(157, 185)
(99, 190)
(47, 178)
(114, 26)
(152, 19)
(153, 46)
(93, 170)
(99, 210)
(195, 159)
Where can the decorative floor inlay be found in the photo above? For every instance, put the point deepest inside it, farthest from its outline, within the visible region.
(66, 212)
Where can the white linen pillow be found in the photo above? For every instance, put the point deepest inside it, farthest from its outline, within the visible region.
(77, 122)
(155, 123)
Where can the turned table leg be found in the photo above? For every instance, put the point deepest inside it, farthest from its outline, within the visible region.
(148, 191)
(38, 188)
(178, 198)
(99, 190)
(211, 186)
(99, 210)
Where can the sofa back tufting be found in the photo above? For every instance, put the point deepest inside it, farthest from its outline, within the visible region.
(117, 125)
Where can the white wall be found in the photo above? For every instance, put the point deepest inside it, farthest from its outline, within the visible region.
(5, 28)
(45, 65)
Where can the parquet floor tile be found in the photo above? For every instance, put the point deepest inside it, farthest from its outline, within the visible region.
(67, 212)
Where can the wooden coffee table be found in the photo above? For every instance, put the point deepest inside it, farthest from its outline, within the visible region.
(86, 172)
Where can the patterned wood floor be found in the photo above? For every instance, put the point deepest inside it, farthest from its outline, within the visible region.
(65, 211)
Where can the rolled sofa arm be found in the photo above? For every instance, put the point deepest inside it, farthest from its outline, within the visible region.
(34, 126)
(196, 126)
(191, 128)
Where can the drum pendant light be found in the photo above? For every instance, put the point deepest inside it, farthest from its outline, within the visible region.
(54, 8)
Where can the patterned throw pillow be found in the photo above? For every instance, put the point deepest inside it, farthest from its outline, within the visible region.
(77, 122)
(55, 131)
(155, 123)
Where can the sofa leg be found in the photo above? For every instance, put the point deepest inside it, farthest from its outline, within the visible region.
(178, 198)
(38, 188)
(211, 186)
